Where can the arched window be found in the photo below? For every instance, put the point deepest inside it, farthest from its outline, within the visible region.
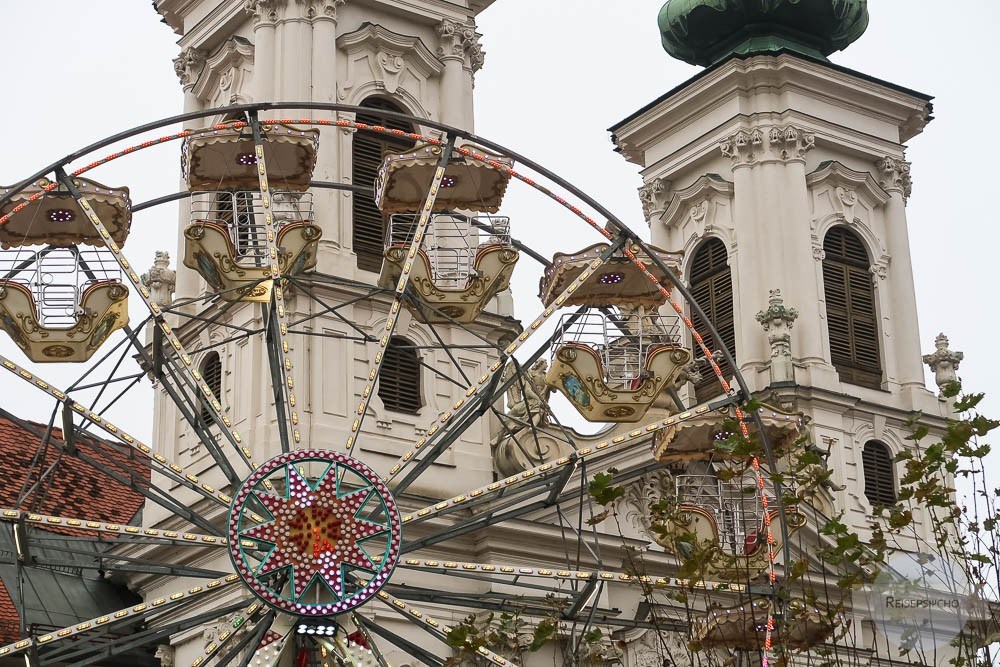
(211, 372)
(399, 380)
(850, 309)
(880, 478)
(711, 285)
(368, 223)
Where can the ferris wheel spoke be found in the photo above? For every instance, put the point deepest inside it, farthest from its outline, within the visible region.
(110, 529)
(192, 407)
(155, 461)
(278, 344)
(333, 309)
(464, 407)
(564, 466)
(433, 627)
(410, 648)
(247, 619)
(404, 279)
(215, 407)
(512, 571)
(121, 617)
(369, 640)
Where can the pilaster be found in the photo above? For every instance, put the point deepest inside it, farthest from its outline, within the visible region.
(894, 174)
(460, 50)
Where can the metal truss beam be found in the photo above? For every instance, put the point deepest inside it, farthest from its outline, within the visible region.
(422, 654)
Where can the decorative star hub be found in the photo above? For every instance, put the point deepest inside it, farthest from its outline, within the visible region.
(314, 533)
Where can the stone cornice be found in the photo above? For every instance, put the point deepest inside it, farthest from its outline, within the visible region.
(889, 115)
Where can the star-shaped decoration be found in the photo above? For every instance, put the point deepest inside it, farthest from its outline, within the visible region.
(315, 531)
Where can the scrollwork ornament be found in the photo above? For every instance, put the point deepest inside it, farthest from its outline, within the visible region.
(895, 176)
(640, 495)
(325, 8)
(188, 66)
(262, 11)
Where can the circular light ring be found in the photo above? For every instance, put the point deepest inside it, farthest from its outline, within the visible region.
(382, 495)
(611, 278)
(449, 181)
(246, 159)
(61, 215)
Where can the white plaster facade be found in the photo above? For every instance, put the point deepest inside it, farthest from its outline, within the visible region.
(765, 153)
(423, 56)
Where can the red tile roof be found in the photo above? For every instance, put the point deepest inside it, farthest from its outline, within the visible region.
(71, 489)
(9, 620)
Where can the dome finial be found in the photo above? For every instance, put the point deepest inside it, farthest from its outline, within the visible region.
(703, 32)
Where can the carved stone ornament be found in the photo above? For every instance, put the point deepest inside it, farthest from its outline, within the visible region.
(324, 8)
(528, 438)
(744, 147)
(880, 268)
(654, 196)
(165, 653)
(657, 649)
(161, 280)
(460, 41)
(895, 176)
(263, 11)
(790, 142)
(635, 504)
(188, 66)
(778, 143)
(943, 362)
(777, 321)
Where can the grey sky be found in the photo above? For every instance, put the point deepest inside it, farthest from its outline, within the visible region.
(557, 74)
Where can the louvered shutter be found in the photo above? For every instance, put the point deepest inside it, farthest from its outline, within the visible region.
(211, 372)
(399, 380)
(712, 288)
(880, 478)
(850, 309)
(368, 222)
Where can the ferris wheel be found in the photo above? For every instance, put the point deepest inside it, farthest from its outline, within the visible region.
(310, 543)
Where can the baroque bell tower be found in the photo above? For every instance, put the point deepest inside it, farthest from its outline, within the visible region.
(784, 179)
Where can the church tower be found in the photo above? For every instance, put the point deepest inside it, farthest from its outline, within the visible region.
(783, 177)
(414, 58)
(418, 59)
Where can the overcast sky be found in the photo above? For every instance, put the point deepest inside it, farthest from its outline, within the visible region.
(557, 74)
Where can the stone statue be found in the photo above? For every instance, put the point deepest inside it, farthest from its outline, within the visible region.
(943, 362)
(528, 437)
(161, 280)
(528, 405)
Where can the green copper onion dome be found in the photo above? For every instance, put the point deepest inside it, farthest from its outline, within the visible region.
(703, 32)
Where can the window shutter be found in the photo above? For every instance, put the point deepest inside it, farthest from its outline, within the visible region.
(399, 379)
(880, 478)
(850, 309)
(211, 372)
(367, 221)
(712, 289)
